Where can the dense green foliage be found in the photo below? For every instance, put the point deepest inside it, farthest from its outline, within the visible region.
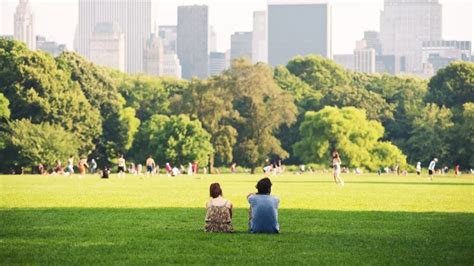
(375, 220)
(452, 86)
(348, 131)
(42, 143)
(259, 102)
(176, 139)
(118, 124)
(251, 113)
(38, 90)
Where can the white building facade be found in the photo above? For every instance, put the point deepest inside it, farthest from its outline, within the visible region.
(404, 25)
(133, 17)
(107, 46)
(24, 24)
(153, 56)
(171, 66)
(259, 37)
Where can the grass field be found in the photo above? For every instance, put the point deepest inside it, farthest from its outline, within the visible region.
(371, 220)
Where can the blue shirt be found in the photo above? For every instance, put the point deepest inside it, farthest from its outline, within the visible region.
(264, 214)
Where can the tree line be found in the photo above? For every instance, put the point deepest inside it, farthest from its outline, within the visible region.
(52, 108)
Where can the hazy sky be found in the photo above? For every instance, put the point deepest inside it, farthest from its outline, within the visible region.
(57, 19)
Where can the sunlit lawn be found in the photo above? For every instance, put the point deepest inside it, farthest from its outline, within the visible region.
(135, 220)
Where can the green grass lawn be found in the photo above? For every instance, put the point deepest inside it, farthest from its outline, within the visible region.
(371, 220)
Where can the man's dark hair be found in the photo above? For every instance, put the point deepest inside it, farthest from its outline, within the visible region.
(215, 190)
(264, 186)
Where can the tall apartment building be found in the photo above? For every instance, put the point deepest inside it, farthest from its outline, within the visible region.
(171, 66)
(132, 16)
(24, 24)
(107, 46)
(217, 63)
(50, 47)
(193, 27)
(169, 36)
(298, 28)
(153, 56)
(364, 58)
(405, 25)
(241, 45)
(438, 54)
(259, 37)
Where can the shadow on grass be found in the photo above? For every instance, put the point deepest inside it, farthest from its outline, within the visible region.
(174, 235)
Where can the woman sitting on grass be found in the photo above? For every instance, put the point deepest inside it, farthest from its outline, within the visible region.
(219, 211)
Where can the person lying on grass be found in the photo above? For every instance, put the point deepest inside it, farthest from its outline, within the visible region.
(263, 213)
(219, 212)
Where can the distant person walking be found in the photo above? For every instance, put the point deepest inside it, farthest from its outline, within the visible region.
(336, 165)
(418, 168)
(70, 165)
(121, 166)
(82, 165)
(150, 165)
(431, 168)
(58, 169)
(93, 167)
(168, 169)
(457, 169)
(219, 211)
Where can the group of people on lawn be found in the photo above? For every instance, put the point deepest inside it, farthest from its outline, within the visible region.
(263, 213)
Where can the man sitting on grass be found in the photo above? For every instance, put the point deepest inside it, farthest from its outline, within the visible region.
(263, 209)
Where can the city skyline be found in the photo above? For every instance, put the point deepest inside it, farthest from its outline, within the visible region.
(364, 16)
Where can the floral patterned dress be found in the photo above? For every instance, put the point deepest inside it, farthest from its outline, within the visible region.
(218, 219)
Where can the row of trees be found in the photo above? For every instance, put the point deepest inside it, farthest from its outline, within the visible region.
(51, 108)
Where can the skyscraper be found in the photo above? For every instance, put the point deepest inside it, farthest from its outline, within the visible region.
(404, 25)
(50, 47)
(24, 24)
(168, 35)
(241, 45)
(153, 56)
(298, 28)
(107, 46)
(212, 40)
(259, 37)
(345, 60)
(438, 54)
(364, 58)
(217, 63)
(132, 16)
(171, 66)
(193, 40)
(372, 40)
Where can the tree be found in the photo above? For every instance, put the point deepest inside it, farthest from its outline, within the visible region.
(404, 94)
(341, 96)
(4, 115)
(291, 83)
(262, 107)
(175, 139)
(39, 91)
(41, 143)
(4, 111)
(463, 137)
(431, 135)
(210, 101)
(348, 131)
(453, 85)
(146, 95)
(318, 72)
(100, 86)
(305, 98)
